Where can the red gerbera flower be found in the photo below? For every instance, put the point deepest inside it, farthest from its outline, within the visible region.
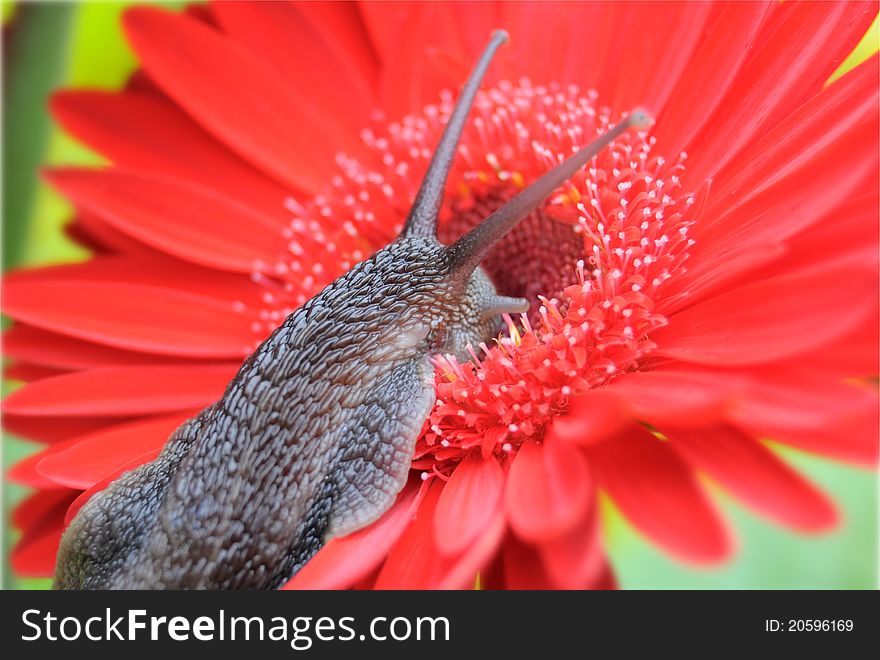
(699, 288)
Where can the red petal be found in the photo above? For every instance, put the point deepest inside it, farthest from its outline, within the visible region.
(27, 373)
(548, 489)
(146, 132)
(412, 559)
(606, 580)
(463, 573)
(384, 22)
(84, 497)
(811, 134)
(34, 554)
(703, 84)
(755, 475)
(25, 473)
(93, 233)
(576, 560)
(800, 398)
(132, 316)
(23, 342)
(37, 505)
(632, 78)
(415, 562)
(90, 458)
(684, 398)
(784, 183)
(127, 391)
(52, 429)
(581, 32)
(180, 218)
(660, 495)
(522, 566)
(771, 319)
(335, 70)
(797, 50)
(469, 501)
(345, 561)
(591, 417)
(813, 411)
(151, 268)
(428, 57)
(853, 355)
(846, 236)
(267, 123)
(855, 440)
(342, 26)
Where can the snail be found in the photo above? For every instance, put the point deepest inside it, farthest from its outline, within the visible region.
(313, 438)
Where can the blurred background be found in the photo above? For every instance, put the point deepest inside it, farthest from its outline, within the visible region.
(49, 45)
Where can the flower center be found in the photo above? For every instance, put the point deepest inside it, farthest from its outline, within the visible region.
(593, 259)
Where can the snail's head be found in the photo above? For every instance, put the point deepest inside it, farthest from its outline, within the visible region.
(466, 299)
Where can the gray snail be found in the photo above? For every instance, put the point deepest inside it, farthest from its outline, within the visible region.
(314, 436)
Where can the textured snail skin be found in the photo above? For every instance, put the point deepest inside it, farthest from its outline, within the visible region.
(311, 440)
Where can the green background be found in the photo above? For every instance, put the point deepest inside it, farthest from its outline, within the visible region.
(52, 45)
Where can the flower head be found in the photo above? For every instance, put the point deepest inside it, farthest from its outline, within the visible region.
(700, 287)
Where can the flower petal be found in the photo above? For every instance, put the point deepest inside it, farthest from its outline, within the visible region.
(853, 355)
(415, 561)
(847, 236)
(660, 495)
(345, 561)
(581, 33)
(27, 373)
(182, 219)
(577, 559)
(522, 566)
(808, 409)
(123, 391)
(52, 429)
(703, 84)
(783, 183)
(133, 316)
(34, 554)
(591, 417)
(92, 233)
(755, 475)
(98, 486)
(799, 47)
(800, 398)
(384, 22)
(771, 319)
(689, 398)
(548, 489)
(89, 459)
(335, 68)
(463, 573)
(25, 473)
(854, 439)
(153, 268)
(39, 504)
(428, 57)
(267, 124)
(467, 504)
(33, 345)
(146, 132)
(632, 79)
